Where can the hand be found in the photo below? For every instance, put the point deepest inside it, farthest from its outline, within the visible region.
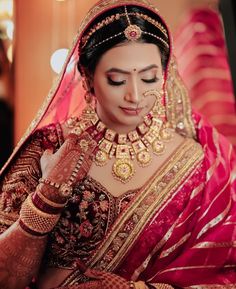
(59, 166)
(108, 280)
(101, 280)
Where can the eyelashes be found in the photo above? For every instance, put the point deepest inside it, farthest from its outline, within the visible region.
(152, 80)
(115, 83)
(118, 83)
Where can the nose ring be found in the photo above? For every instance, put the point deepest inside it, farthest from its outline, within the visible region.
(154, 92)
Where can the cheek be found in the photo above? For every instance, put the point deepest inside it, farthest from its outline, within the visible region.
(150, 101)
(100, 90)
(108, 93)
(104, 94)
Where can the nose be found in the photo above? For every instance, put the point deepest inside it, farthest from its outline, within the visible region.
(133, 92)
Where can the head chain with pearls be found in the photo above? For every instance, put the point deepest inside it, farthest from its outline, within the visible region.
(132, 32)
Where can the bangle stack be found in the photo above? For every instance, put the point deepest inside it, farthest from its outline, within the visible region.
(46, 205)
(37, 216)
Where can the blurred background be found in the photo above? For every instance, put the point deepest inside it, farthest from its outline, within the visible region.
(35, 37)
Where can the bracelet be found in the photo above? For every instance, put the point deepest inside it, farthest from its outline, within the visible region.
(29, 233)
(49, 202)
(35, 220)
(45, 205)
(64, 189)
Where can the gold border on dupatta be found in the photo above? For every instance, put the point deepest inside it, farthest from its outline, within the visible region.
(150, 201)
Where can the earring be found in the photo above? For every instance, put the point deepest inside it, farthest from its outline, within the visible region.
(89, 113)
(88, 97)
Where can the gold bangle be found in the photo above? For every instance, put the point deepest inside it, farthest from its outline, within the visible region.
(35, 219)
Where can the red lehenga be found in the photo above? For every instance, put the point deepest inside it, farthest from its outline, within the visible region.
(178, 229)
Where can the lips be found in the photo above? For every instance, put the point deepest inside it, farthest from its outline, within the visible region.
(131, 111)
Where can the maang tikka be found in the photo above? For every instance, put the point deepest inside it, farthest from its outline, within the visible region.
(132, 32)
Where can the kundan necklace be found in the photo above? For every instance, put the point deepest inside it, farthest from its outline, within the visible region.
(138, 144)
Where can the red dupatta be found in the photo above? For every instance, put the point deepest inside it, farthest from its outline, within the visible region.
(198, 248)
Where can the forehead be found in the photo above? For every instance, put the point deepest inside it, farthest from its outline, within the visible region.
(131, 56)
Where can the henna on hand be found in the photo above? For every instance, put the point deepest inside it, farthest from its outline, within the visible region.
(20, 257)
(108, 280)
(59, 167)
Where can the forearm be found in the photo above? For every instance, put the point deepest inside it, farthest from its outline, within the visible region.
(20, 257)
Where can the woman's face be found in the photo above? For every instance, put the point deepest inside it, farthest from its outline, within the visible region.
(122, 76)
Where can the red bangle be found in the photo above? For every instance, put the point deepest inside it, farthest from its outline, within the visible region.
(29, 231)
(45, 206)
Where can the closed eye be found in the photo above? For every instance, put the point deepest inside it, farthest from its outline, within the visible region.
(152, 80)
(116, 83)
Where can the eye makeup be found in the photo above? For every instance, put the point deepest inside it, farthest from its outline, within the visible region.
(151, 80)
(117, 77)
(115, 82)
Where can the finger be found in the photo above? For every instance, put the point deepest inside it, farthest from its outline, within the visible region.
(68, 145)
(48, 151)
(46, 154)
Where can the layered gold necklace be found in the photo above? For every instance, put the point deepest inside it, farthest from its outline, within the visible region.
(140, 144)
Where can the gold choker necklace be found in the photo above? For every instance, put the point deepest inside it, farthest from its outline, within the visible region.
(136, 145)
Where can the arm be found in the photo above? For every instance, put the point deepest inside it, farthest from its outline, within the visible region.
(21, 253)
(20, 257)
(21, 250)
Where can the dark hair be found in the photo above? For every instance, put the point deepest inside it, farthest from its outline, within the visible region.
(90, 55)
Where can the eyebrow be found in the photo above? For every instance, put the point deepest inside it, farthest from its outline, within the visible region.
(128, 72)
